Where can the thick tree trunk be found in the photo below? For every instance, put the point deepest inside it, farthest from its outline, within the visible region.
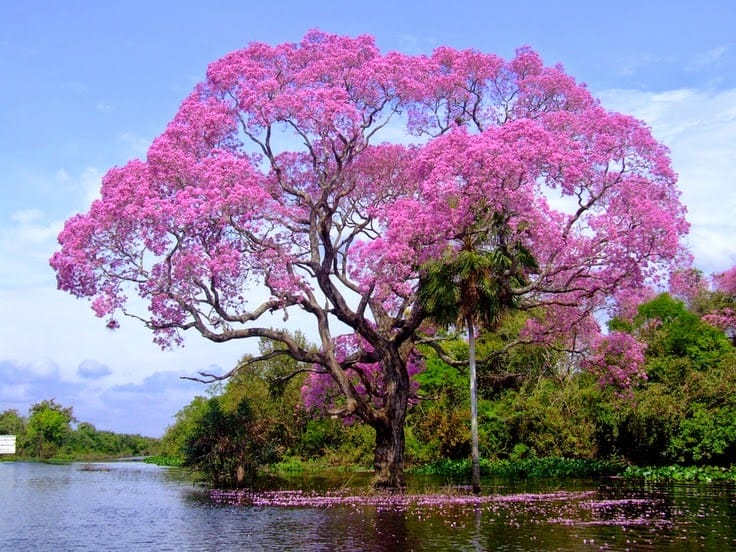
(390, 442)
(389, 457)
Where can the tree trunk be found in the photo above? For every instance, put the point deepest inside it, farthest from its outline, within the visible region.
(240, 476)
(473, 408)
(388, 459)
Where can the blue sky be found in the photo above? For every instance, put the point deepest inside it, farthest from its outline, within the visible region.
(87, 85)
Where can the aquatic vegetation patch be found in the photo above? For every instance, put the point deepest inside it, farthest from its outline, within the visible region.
(164, 460)
(532, 467)
(700, 474)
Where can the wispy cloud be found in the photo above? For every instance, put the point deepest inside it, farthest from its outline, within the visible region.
(416, 44)
(26, 242)
(28, 235)
(633, 64)
(76, 86)
(61, 175)
(710, 58)
(30, 228)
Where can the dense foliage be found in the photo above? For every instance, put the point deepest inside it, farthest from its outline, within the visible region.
(686, 412)
(252, 420)
(52, 432)
(539, 415)
(226, 446)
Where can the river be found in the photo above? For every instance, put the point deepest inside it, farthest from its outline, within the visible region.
(135, 506)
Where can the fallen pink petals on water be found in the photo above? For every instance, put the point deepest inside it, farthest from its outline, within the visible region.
(293, 499)
(573, 508)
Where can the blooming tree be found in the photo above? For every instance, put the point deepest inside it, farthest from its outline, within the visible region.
(723, 314)
(328, 174)
(714, 298)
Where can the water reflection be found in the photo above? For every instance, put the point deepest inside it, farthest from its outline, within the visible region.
(133, 506)
(370, 529)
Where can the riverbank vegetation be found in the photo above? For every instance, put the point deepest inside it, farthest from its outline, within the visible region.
(51, 432)
(540, 415)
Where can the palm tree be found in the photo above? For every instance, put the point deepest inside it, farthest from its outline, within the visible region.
(473, 286)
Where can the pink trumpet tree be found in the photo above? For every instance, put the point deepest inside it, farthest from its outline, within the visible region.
(323, 175)
(714, 298)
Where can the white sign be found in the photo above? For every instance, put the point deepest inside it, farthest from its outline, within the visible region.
(7, 444)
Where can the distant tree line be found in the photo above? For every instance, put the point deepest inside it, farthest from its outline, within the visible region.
(50, 431)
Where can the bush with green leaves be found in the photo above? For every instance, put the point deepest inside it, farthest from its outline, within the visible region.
(686, 411)
(47, 429)
(228, 446)
(552, 417)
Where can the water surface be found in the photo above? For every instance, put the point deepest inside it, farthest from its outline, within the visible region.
(136, 506)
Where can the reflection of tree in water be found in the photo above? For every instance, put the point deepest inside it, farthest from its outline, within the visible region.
(368, 529)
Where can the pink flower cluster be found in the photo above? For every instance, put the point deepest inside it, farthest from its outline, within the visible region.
(617, 359)
(321, 394)
(714, 297)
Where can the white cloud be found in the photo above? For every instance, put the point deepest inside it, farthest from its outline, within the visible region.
(25, 216)
(30, 229)
(25, 246)
(43, 368)
(76, 86)
(28, 235)
(416, 44)
(89, 183)
(699, 127)
(84, 186)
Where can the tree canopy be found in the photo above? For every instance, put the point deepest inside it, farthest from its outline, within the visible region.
(323, 175)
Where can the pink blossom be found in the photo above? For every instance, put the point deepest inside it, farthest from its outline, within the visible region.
(320, 393)
(617, 359)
